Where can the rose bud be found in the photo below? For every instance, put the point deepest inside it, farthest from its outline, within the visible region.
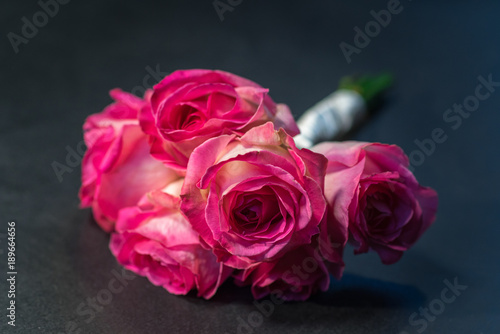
(372, 194)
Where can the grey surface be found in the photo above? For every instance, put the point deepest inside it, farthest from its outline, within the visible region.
(436, 49)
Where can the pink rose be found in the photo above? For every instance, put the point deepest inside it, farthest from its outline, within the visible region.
(373, 195)
(188, 107)
(254, 198)
(155, 240)
(295, 276)
(117, 169)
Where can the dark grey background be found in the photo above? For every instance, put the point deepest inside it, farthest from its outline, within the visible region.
(436, 50)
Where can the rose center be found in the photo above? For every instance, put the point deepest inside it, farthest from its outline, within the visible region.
(189, 118)
(249, 215)
(378, 211)
(254, 214)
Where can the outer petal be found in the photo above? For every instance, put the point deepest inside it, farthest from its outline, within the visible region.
(345, 167)
(132, 175)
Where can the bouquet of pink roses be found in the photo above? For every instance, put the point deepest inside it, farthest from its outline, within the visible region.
(201, 180)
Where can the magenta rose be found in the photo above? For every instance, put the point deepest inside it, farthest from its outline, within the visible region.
(295, 276)
(254, 198)
(117, 169)
(190, 106)
(155, 240)
(372, 194)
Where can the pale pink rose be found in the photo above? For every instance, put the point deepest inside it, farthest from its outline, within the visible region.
(372, 194)
(155, 240)
(254, 198)
(295, 276)
(117, 169)
(190, 106)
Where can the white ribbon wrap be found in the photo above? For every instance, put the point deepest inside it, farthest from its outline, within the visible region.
(330, 118)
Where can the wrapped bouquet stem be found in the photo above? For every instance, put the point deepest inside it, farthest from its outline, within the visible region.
(206, 178)
(341, 111)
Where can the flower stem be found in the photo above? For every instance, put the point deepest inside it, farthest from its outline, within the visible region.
(369, 87)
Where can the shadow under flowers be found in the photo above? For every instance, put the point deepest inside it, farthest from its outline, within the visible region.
(355, 302)
(351, 291)
(357, 291)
